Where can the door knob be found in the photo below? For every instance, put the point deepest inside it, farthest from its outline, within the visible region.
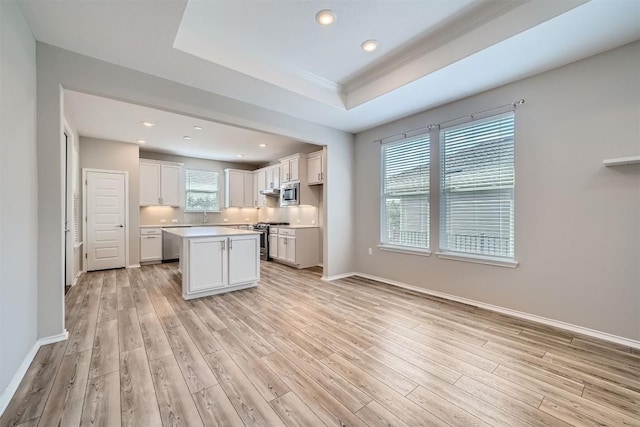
(119, 226)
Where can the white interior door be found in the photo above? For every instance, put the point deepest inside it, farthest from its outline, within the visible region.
(106, 229)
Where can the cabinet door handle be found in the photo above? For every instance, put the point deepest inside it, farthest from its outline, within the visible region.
(230, 244)
(223, 245)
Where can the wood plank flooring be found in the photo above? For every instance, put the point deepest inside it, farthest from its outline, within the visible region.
(297, 351)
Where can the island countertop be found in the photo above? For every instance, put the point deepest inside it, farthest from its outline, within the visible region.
(189, 232)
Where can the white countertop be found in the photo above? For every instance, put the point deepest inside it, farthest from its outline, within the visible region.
(189, 232)
(294, 226)
(212, 224)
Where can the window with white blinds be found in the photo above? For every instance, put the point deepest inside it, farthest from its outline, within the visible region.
(477, 187)
(405, 193)
(201, 193)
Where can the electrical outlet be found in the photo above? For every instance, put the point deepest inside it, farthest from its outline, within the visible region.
(313, 222)
(297, 221)
(175, 221)
(370, 251)
(225, 220)
(162, 221)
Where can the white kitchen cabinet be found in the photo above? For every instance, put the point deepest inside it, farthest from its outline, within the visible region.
(170, 188)
(273, 245)
(150, 244)
(217, 259)
(272, 175)
(241, 249)
(315, 168)
(238, 189)
(259, 182)
(249, 190)
(207, 263)
(287, 249)
(299, 247)
(290, 169)
(159, 183)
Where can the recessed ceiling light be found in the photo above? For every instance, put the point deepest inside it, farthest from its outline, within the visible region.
(188, 138)
(140, 141)
(369, 45)
(197, 128)
(239, 156)
(148, 124)
(262, 145)
(325, 17)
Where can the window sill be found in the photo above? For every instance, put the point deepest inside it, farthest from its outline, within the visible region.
(478, 259)
(405, 250)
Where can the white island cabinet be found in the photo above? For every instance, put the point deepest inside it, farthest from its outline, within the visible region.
(214, 260)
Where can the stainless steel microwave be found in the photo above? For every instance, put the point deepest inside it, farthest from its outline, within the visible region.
(290, 194)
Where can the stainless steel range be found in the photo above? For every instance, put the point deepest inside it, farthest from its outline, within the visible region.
(263, 228)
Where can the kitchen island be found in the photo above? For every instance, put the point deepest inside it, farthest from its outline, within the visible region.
(214, 260)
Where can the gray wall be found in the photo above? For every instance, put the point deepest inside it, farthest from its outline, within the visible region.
(114, 155)
(60, 68)
(577, 222)
(18, 193)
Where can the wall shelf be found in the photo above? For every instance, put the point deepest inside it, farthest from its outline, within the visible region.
(620, 161)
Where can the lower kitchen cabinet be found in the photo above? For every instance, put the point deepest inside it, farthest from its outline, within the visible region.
(207, 264)
(220, 264)
(241, 250)
(150, 244)
(287, 249)
(299, 247)
(273, 243)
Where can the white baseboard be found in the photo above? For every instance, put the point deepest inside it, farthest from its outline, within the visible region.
(134, 266)
(337, 277)
(75, 279)
(12, 387)
(54, 338)
(515, 313)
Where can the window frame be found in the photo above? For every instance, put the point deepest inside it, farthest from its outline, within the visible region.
(447, 253)
(391, 247)
(217, 191)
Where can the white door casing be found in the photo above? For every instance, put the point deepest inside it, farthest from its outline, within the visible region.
(105, 220)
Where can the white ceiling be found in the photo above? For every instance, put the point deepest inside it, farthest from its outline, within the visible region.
(98, 117)
(273, 54)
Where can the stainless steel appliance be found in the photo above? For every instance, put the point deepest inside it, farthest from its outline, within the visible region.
(263, 228)
(170, 247)
(275, 192)
(290, 194)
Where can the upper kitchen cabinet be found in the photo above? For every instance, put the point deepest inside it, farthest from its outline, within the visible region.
(159, 183)
(315, 168)
(239, 192)
(272, 174)
(292, 168)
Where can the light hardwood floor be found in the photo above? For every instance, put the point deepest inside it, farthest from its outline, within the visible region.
(299, 351)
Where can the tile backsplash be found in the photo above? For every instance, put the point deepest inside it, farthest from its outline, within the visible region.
(154, 215)
(295, 215)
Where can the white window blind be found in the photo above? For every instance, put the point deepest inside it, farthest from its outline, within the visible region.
(477, 187)
(405, 193)
(201, 194)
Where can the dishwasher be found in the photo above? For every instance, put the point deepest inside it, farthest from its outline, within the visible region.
(170, 247)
